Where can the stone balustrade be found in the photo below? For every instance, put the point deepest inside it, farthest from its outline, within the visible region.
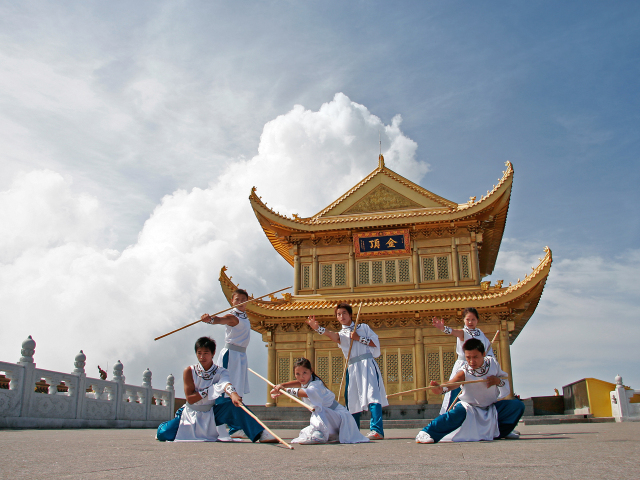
(621, 407)
(74, 400)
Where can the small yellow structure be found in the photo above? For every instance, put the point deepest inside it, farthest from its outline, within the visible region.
(405, 254)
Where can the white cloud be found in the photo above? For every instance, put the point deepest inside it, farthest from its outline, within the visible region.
(69, 292)
(585, 325)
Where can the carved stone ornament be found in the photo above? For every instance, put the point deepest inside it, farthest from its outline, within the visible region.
(28, 349)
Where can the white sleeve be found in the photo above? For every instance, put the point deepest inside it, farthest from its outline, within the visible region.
(503, 388)
(314, 394)
(366, 331)
(217, 389)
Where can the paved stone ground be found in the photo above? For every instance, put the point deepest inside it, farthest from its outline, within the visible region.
(580, 451)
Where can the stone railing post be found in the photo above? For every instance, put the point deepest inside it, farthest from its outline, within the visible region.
(146, 384)
(79, 363)
(118, 379)
(28, 381)
(171, 401)
(619, 401)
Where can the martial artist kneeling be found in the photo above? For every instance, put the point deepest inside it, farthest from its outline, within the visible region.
(478, 415)
(203, 383)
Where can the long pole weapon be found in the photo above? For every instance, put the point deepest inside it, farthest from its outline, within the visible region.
(221, 311)
(437, 386)
(265, 427)
(455, 400)
(346, 366)
(311, 409)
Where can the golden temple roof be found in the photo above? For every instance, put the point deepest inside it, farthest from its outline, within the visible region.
(410, 206)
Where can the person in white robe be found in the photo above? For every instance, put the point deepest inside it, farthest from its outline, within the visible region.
(364, 388)
(479, 415)
(330, 421)
(233, 356)
(469, 331)
(204, 382)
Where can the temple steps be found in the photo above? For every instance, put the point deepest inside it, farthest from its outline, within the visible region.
(563, 419)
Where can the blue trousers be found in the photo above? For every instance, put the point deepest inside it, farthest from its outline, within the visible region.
(509, 413)
(233, 428)
(227, 412)
(375, 424)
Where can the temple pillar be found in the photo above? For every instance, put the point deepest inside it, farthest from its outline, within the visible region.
(455, 261)
(271, 367)
(421, 376)
(475, 262)
(416, 266)
(315, 274)
(505, 353)
(296, 273)
(310, 350)
(352, 268)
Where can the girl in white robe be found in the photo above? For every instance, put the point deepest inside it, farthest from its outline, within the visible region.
(364, 388)
(330, 421)
(469, 331)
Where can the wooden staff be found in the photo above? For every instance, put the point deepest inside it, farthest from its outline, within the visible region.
(308, 407)
(436, 386)
(344, 374)
(221, 311)
(265, 427)
(456, 399)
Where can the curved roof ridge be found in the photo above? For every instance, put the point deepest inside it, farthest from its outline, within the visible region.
(317, 219)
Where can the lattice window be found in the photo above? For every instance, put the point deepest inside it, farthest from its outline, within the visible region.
(363, 273)
(390, 271)
(392, 367)
(448, 359)
(283, 369)
(340, 274)
(380, 362)
(428, 269)
(403, 270)
(327, 275)
(337, 368)
(465, 268)
(433, 364)
(306, 276)
(435, 268)
(322, 367)
(407, 367)
(443, 268)
(376, 273)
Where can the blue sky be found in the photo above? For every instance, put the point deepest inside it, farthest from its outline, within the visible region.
(132, 133)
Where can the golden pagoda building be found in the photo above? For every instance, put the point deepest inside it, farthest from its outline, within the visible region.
(406, 255)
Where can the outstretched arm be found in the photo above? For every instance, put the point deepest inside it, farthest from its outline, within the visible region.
(458, 377)
(321, 330)
(230, 320)
(292, 388)
(439, 324)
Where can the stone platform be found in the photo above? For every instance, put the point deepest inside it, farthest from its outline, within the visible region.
(571, 451)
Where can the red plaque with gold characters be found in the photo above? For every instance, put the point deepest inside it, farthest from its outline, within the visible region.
(386, 242)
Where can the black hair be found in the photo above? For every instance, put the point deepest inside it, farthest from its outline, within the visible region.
(470, 310)
(473, 344)
(346, 306)
(305, 363)
(240, 291)
(206, 342)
